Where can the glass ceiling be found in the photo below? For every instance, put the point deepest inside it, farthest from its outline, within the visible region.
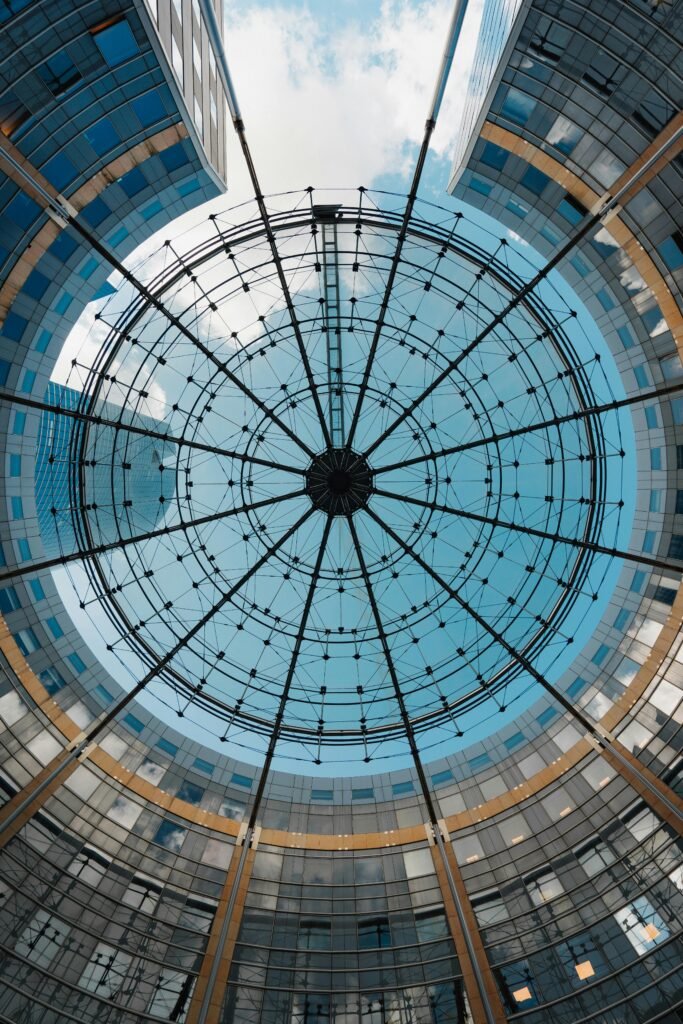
(348, 524)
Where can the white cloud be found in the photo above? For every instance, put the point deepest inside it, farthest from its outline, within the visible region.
(325, 103)
(332, 107)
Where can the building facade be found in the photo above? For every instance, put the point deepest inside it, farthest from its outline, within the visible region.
(544, 882)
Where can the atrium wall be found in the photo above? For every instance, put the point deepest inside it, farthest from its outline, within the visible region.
(128, 894)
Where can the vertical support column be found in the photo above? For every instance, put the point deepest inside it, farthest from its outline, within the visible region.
(666, 804)
(480, 986)
(326, 216)
(212, 981)
(31, 798)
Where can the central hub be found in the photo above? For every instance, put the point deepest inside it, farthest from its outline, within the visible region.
(339, 482)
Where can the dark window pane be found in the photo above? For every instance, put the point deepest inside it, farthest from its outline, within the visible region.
(59, 73)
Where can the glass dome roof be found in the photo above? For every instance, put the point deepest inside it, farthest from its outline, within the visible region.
(350, 522)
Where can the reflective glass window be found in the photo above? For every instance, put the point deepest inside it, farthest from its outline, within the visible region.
(374, 933)
(42, 939)
(518, 106)
(564, 134)
(116, 42)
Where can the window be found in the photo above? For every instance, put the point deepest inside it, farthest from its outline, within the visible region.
(564, 135)
(374, 933)
(124, 812)
(14, 326)
(549, 41)
(116, 42)
(484, 188)
(170, 836)
(517, 986)
(42, 939)
(106, 970)
(651, 417)
(177, 60)
(314, 934)
(13, 114)
(9, 600)
(76, 662)
(605, 299)
(322, 795)
(571, 209)
(543, 887)
(89, 866)
(142, 894)
(489, 908)
(401, 788)
(676, 546)
(513, 741)
(581, 960)
(241, 780)
(625, 337)
(595, 858)
(52, 680)
(431, 924)
(167, 746)
(366, 793)
(133, 182)
(517, 106)
(671, 250)
(102, 136)
(654, 113)
(494, 156)
(642, 825)
(217, 854)
(534, 180)
(604, 74)
(190, 792)
(440, 777)
(26, 641)
(59, 73)
(171, 995)
(149, 108)
(642, 925)
(22, 211)
(418, 863)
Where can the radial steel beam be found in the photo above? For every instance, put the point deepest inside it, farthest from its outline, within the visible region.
(9, 398)
(15, 813)
(66, 216)
(582, 230)
(658, 792)
(208, 1001)
(530, 531)
(284, 697)
(480, 994)
(454, 31)
(216, 38)
(27, 568)
(664, 391)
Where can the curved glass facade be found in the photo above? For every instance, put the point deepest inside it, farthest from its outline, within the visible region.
(340, 671)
